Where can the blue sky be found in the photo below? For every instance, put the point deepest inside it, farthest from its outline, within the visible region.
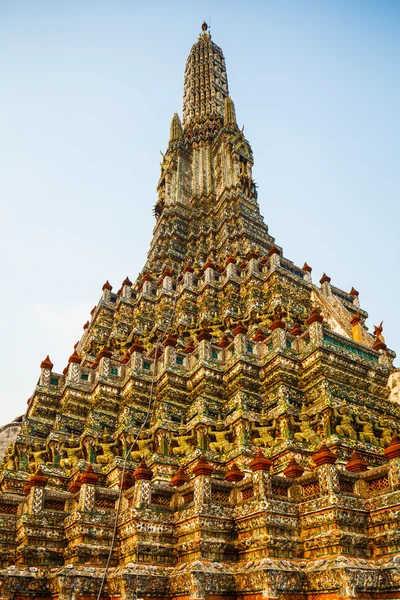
(88, 92)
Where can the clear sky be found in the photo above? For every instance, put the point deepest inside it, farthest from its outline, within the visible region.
(88, 90)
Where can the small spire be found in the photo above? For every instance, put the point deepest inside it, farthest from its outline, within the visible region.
(127, 281)
(75, 358)
(175, 132)
(229, 113)
(46, 363)
(325, 279)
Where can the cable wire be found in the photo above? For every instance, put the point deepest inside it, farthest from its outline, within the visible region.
(148, 411)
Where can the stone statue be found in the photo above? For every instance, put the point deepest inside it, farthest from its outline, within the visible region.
(37, 456)
(386, 435)
(221, 444)
(306, 433)
(143, 445)
(367, 434)
(10, 458)
(184, 446)
(346, 422)
(106, 446)
(74, 452)
(264, 433)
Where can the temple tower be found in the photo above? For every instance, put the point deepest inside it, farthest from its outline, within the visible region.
(225, 427)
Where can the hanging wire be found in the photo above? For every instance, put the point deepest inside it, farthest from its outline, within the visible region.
(148, 411)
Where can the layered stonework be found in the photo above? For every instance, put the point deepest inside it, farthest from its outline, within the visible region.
(235, 417)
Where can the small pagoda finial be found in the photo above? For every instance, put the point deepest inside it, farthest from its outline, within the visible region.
(175, 132)
(229, 113)
(205, 31)
(46, 363)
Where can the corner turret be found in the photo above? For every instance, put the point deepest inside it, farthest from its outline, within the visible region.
(229, 113)
(175, 132)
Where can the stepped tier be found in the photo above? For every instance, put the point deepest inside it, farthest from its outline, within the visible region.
(225, 427)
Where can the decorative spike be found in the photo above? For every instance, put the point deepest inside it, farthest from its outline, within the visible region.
(46, 363)
(234, 474)
(89, 477)
(180, 478)
(143, 473)
(357, 463)
(260, 462)
(105, 352)
(315, 316)
(324, 456)
(202, 467)
(293, 469)
(393, 450)
(127, 281)
(107, 286)
(75, 358)
(325, 279)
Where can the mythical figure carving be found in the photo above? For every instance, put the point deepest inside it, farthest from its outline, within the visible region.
(345, 428)
(221, 444)
(265, 437)
(38, 456)
(144, 448)
(11, 459)
(107, 448)
(367, 434)
(306, 433)
(74, 452)
(383, 426)
(185, 442)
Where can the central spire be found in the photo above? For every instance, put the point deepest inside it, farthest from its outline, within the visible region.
(207, 198)
(206, 82)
